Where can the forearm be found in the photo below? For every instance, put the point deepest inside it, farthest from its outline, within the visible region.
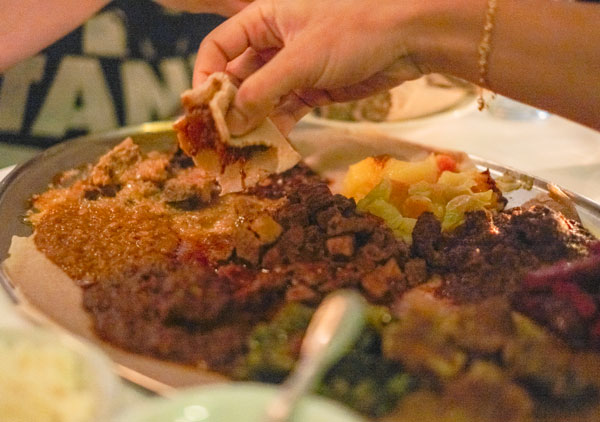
(544, 53)
(28, 26)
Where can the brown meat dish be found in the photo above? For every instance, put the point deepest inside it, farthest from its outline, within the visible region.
(489, 255)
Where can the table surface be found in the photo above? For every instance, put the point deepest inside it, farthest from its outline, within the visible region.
(553, 149)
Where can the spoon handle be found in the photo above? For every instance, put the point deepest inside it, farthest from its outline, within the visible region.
(334, 327)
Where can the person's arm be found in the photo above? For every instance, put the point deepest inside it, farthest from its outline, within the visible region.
(542, 52)
(28, 26)
(219, 7)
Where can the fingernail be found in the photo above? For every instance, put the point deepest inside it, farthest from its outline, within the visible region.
(236, 122)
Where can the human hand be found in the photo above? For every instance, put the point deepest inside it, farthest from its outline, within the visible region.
(220, 7)
(292, 55)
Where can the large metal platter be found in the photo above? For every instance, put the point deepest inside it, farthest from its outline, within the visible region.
(328, 151)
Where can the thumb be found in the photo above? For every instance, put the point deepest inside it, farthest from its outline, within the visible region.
(262, 91)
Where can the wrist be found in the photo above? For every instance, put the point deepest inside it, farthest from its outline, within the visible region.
(445, 35)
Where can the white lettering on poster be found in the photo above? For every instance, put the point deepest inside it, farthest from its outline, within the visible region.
(146, 96)
(15, 90)
(78, 99)
(105, 35)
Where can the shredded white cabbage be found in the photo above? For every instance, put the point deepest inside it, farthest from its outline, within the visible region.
(42, 382)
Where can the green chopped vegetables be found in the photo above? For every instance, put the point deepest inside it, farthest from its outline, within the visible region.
(274, 346)
(363, 379)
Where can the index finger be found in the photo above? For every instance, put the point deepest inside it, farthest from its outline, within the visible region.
(230, 39)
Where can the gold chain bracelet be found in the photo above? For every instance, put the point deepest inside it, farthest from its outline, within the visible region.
(484, 49)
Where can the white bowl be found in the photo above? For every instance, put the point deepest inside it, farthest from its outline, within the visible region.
(233, 402)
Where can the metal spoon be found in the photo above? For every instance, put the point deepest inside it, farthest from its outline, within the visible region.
(332, 330)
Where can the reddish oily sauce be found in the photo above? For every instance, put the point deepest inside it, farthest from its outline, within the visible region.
(200, 132)
(90, 239)
(197, 132)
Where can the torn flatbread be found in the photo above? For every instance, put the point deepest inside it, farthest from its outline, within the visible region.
(237, 162)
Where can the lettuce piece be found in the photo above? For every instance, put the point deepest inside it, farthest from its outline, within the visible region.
(422, 188)
(382, 191)
(458, 206)
(465, 180)
(400, 225)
